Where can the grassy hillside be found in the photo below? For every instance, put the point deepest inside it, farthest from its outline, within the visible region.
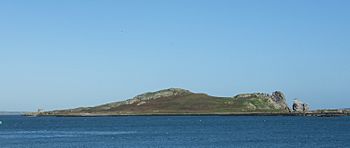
(179, 101)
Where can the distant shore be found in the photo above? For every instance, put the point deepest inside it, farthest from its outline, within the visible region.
(11, 113)
(317, 114)
(182, 102)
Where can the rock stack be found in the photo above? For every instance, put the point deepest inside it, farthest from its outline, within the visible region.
(300, 107)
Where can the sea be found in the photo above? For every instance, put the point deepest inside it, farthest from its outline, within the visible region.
(175, 131)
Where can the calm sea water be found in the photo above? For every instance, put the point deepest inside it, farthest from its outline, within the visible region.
(174, 131)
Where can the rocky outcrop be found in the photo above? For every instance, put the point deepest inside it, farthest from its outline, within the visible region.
(280, 100)
(171, 92)
(299, 106)
(276, 100)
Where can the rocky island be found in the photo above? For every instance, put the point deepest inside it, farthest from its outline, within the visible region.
(176, 101)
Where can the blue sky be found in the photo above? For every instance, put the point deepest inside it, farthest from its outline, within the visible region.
(62, 54)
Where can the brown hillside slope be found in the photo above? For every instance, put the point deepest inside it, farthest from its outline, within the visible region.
(180, 101)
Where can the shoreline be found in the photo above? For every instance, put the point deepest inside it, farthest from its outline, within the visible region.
(190, 114)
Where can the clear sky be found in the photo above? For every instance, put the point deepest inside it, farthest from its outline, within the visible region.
(70, 53)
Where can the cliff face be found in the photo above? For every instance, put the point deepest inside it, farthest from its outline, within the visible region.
(274, 101)
(179, 101)
(279, 100)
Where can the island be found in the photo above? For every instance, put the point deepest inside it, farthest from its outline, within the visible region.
(177, 101)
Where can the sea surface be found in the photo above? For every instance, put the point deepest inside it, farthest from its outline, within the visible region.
(174, 131)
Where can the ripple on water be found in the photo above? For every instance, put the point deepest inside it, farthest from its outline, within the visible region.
(58, 134)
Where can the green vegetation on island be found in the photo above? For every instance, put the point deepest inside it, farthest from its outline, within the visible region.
(180, 102)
